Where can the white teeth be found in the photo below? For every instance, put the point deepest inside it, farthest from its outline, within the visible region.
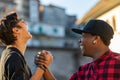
(81, 47)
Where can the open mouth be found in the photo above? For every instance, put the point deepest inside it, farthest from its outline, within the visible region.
(81, 47)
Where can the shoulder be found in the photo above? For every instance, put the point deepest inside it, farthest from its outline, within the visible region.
(14, 59)
(81, 71)
(14, 64)
(14, 55)
(84, 67)
(116, 56)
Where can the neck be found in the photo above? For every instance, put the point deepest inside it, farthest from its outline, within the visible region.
(20, 47)
(99, 52)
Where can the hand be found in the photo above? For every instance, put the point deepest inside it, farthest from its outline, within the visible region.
(44, 58)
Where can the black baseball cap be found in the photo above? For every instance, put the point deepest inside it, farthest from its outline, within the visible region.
(97, 27)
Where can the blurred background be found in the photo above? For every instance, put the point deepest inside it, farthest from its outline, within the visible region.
(50, 23)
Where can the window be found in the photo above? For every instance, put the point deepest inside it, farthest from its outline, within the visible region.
(40, 29)
(55, 30)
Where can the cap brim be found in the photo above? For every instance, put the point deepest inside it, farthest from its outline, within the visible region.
(77, 30)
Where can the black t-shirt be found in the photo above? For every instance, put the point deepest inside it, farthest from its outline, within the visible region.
(14, 66)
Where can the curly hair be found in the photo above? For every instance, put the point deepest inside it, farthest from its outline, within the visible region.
(7, 23)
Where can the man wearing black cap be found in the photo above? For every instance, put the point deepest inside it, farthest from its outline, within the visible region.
(94, 43)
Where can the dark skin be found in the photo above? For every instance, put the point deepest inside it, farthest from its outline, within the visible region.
(45, 58)
(92, 45)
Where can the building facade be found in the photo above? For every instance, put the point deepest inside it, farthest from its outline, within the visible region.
(50, 27)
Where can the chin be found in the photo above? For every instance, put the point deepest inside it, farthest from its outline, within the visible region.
(30, 35)
(84, 54)
(87, 55)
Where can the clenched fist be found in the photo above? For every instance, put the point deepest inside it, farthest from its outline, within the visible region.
(43, 58)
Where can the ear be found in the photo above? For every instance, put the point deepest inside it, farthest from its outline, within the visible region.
(95, 40)
(16, 30)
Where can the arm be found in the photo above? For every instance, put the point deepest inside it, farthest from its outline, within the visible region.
(37, 74)
(40, 72)
(45, 59)
(48, 75)
(16, 70)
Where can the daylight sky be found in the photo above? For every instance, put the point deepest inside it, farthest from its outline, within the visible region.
(73, 7)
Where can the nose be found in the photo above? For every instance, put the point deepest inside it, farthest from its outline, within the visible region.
(25, 22)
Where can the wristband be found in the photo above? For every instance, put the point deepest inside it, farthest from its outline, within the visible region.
(43, 67)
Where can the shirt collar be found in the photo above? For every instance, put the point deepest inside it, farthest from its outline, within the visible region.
(105, 56)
